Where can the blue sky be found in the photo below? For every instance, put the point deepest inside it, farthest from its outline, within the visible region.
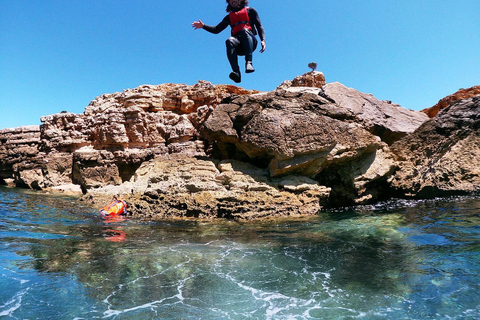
(58, 55)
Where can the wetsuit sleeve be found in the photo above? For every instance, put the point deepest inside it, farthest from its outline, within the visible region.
(218, 28)
(255, 19)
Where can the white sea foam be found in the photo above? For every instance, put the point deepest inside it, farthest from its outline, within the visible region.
(13, 304)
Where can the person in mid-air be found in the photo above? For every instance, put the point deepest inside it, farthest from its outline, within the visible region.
(245, 24)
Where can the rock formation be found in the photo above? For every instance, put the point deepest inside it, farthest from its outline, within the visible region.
(19, 154)
(445, 102)
(442, 156)
(384, 119)
(110, 140)
(183, 186)
(210, 151)
(314, 79)
(321, 133)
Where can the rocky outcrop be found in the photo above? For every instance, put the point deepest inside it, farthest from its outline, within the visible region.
(442, 156)
(209, 151)
(445, 102)
(23, 163)
(154, 117)
(384, 119)
(313, 79)
(321, 133)
(111, 139)
(182, 186)
(19, 155)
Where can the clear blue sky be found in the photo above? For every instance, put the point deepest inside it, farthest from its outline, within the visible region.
(59, 55)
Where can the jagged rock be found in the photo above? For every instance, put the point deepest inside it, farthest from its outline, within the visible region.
(310, 79)
(178, 98)
(302, 131)
(182, 186)
(115, 128)
(442, 156)
(63, 132)
(18, 146)
(96, 168)
(43, 171)
(23, 164)
(314, 79)
(222, 151)
(384, 119)
(445, 102)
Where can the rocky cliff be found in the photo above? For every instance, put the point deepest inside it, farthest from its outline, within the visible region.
(221, 151)
(19, 149)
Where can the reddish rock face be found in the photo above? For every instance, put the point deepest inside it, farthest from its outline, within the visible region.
(312, 79)
(445, 102)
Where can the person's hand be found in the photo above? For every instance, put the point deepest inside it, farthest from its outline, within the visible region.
(198, 24)
(264, 46)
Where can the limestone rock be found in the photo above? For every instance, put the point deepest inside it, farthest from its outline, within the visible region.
(18, 147)
(299, 131)
(384, 119)
(119, 130)
(63, 132)
(178, 98)
(182, 186)
(314, 79)
(442, 157)
(309, 79)
(212, 151)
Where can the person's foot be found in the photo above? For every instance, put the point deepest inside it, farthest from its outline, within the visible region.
(249, 67)
(236, 77)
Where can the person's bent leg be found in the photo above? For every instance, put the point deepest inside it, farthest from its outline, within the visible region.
(232, 44)
(232, 56)
(249, 44)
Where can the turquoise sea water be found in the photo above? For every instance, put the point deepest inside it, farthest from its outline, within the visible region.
(398, 260)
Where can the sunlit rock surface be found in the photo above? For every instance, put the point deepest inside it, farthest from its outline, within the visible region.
(183, 186)
(204, 150)
(442, 156)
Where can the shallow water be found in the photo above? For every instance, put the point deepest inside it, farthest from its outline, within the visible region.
(398, 260)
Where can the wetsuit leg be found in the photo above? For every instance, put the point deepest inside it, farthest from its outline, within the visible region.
(249, 43)
(232, 44)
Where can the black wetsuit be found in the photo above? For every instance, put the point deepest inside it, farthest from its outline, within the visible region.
(244, 43)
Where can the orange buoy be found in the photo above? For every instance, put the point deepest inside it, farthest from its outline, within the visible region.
(117, 207)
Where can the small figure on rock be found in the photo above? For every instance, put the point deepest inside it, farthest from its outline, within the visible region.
(245, 24)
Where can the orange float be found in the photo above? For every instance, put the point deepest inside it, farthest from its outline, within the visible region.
(116, 208)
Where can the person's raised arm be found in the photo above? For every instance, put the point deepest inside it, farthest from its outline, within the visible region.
(212, 29)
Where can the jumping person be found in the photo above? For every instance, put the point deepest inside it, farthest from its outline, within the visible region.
(245, 24)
